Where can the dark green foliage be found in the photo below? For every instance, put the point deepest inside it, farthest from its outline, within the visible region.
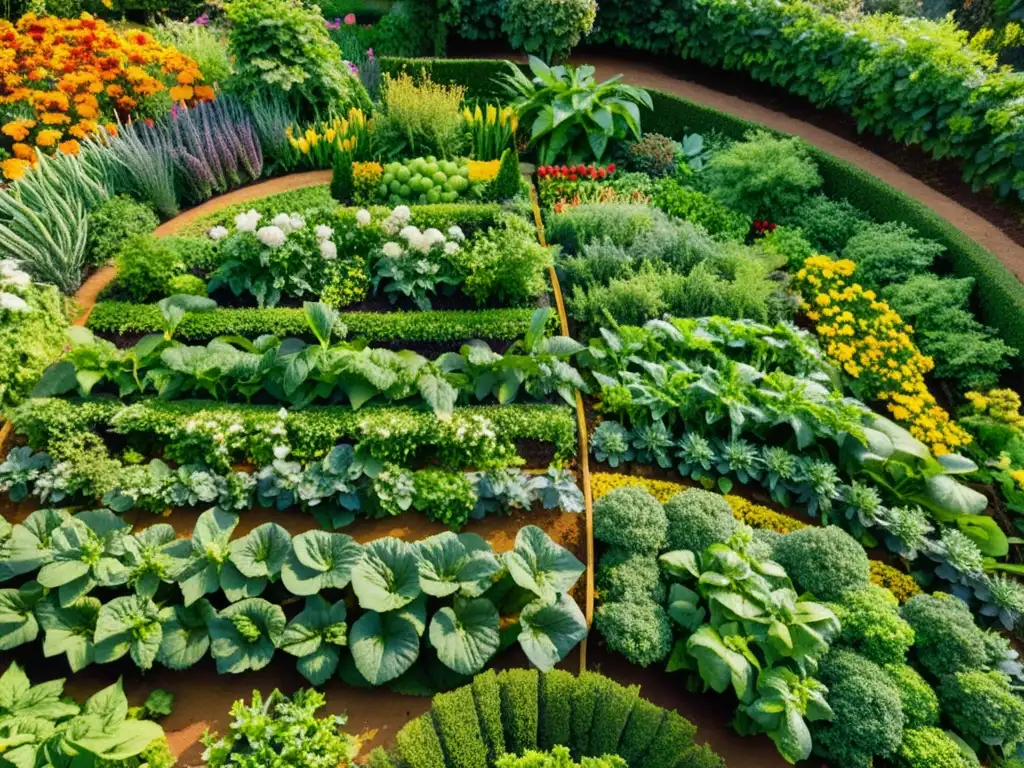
(555, 713)
(889, 253)
(982, 706)
(933, 748)
(507, 183)
(456, 721)
(519, 702)
(630, 577)
(641, 728)
(674, 738)
(443, 496)
(827, 562)
(917, 698)
(868, 720)
(590, 687)
(479, 76)
(111, 223)
(946, 639)
(439, 325)
(610, 718)
(196, 252)
(826, 223)
(872, 625)
(701, 757)
(967, 354)
(787, 245)
(632, 519)
(700, 208)
(145, 265)
(487, 695)
(342, 180)
(654, 155)
(418, 744)
(697, 519)
(640, 631)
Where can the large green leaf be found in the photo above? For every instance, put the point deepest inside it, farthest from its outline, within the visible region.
(261, 553)
(451, 563)
(947, 498)
(244, 635)
(548, 631)
(387, 577)
(684, 605)
(719, 665)
(69, 629)
(540, 565)
(315, 635)
(18, 623)
(21, 699)
(130, 625)
(384, 645)
(103, 728)
(152, 556)
(86, 552)
(186, 635)
(986, 533)
(319, 560)
(200, 572)
(466, 636)
(30, 544)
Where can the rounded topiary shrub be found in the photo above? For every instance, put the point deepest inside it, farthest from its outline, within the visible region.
(918, 699)
(640, 631)
(632, 519)
(112, 222)
(932, 748)
(628, 576)
(827, 562)
(946, 639)
(186, 285)
(872, 625)
(548, 28)
(982, 706)
(697, 519)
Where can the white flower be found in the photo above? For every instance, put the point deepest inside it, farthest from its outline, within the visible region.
(282, 414)
(410, 232)
(392, 250)
(323, 232)
(420, 243)
(11, 275)
(402, 213)
(283, 222)
(297, 222)
(456, 233)
(433, 236)
(328, 250)
(13, 303)
(281, 451)
(246, 222)
(219, 233)
(362, 217)
(272, 237)
(450, 248)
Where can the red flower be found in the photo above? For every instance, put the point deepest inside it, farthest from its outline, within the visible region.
(611, 167)
(565, 170)
(573, 177)
(601, 173)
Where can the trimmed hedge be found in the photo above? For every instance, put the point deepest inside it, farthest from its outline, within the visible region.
(478, 75)
(537, 710)
(117, 317)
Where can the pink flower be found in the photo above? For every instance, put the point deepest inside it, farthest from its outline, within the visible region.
(369, 53)
(336, 24)
(202, 21)
(350, 19)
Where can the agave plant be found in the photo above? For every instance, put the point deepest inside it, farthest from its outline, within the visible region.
(570, 114)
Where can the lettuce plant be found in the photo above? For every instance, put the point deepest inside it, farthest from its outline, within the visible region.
(243, 636)
(315, 636)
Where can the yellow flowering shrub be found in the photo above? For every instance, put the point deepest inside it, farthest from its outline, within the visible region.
(757, 516)
(876, 349)
(483, 170)
(365, 180)
(901, 584)
(1003, 405)
(64, 79)
(491, 130)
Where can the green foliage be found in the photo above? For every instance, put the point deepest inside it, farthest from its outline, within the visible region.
(827, 224)
(571, 115)
(145, 266)
(917, 698)
(624, 576)
(928, 747)
(946, 639)
(505, 265)
(554, 717)
(418, 744)
(610, 717)
(446, 497)
(632, 519)
(264, 733)
(673, 744)
(186, 285)
(487, 694)
(519, 708)
(342, 181)
(967, 354)
(654, 155)
(294, 54)
(868, 721)
(419, 117)
(788, 245)
(548, 28)
(764, 176)
(697, 519)
(872, 625)
(114, 220)
(644, 722)
(700, 208)
(203, 44)
(559, 757)
(618, 223)
(590, 687)
(982, 706)
(30, 338)
(889, 253)
(508, 182)
(456, 721)
(640, 631)
(827, 562)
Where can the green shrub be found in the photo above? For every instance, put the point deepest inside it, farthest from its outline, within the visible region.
(487, 694)
(872, 625)
(632, 519)
(702, 209)
(639, 631)
(457, 724)
(619, 223)
(889, 253)
(946, 639)
(918, 700)
(701, 757)
(186, 285)
(967, 354)
(788, 245)
(548, 28)
(931, 748)
(610, 717)
(731, 288)
(598, 264)
(342, 179)
(555, 714)
(508, 182)
(505, 265)
(418, 744)
(31, 337)
(420, 117)
(624, 576)
(641, 728)
(674, 738)
(764, 176)
(827, 562)
(445, 497)
(559, 757)
(868, 721)
(112, 222)
(379, 758)
(654, 155)
(145, 265)
(982, 706)
(590, 688)
(196, 252)
(519, 703)
(630, 301)
(697, 519)
(826, 223)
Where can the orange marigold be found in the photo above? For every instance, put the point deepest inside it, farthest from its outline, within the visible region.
(69, 147)
(48, 137)
(18, 129)
(13, 168)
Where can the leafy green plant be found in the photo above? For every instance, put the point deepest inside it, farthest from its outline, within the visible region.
(548, 28)
(570, 114)
(889, 253)
(112, 221)
(145, 267)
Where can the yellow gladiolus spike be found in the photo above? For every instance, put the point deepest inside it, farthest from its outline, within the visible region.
(492, 114)
(467, 115)
(478, 115)
(304, 146)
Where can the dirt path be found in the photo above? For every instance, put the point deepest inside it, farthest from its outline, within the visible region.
(650, 75)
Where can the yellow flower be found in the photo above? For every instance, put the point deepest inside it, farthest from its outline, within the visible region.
(48, 137)
(13, 168)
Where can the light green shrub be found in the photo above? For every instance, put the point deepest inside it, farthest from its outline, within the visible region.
(889, 253)
(418, 744)
(641, 729)
(639, 631)
(632, 519)
(487, 694)
(458, 726)
(519, 702)
(918, 699)
(982, 706)
(619, 224)
(186, 285)
(827, 562)
(145, 265)
(931, 748)
(610, 717)
(872, 625)
(697, 519)
(674, 738)
(591, 687)
(624, 576)
(548, 28)
(946, 639)
(30, 338)
(111, 223)
(555, 714)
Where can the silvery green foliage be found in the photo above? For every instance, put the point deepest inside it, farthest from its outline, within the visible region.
(1002, 598)
(906, 530)
(610, 443)
(21, 468)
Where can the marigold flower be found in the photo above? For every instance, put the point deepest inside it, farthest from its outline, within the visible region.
(18, 129)
(69, 147)
(48, 137)
(23, 151)
(14, 168)
(182, 92)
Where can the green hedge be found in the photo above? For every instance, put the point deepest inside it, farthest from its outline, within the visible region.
(478, 75)
(617, 720)
(505, 324)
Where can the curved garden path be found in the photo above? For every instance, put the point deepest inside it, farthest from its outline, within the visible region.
(650, 75)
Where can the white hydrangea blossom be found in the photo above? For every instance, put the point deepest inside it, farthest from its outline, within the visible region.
(362, 217)
(433, 236)
(328, 250)
(283, 221)
(323, 232)
(247, 222)
(272, 236)
(409, 233)
(219, 232)
(296, 221)
(13, 303)
(451, 248)
(456, 233)
(392, 250)
(12, 276)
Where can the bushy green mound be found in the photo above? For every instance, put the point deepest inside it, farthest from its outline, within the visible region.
(632, 519)
(827, 562)
(697, 519)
